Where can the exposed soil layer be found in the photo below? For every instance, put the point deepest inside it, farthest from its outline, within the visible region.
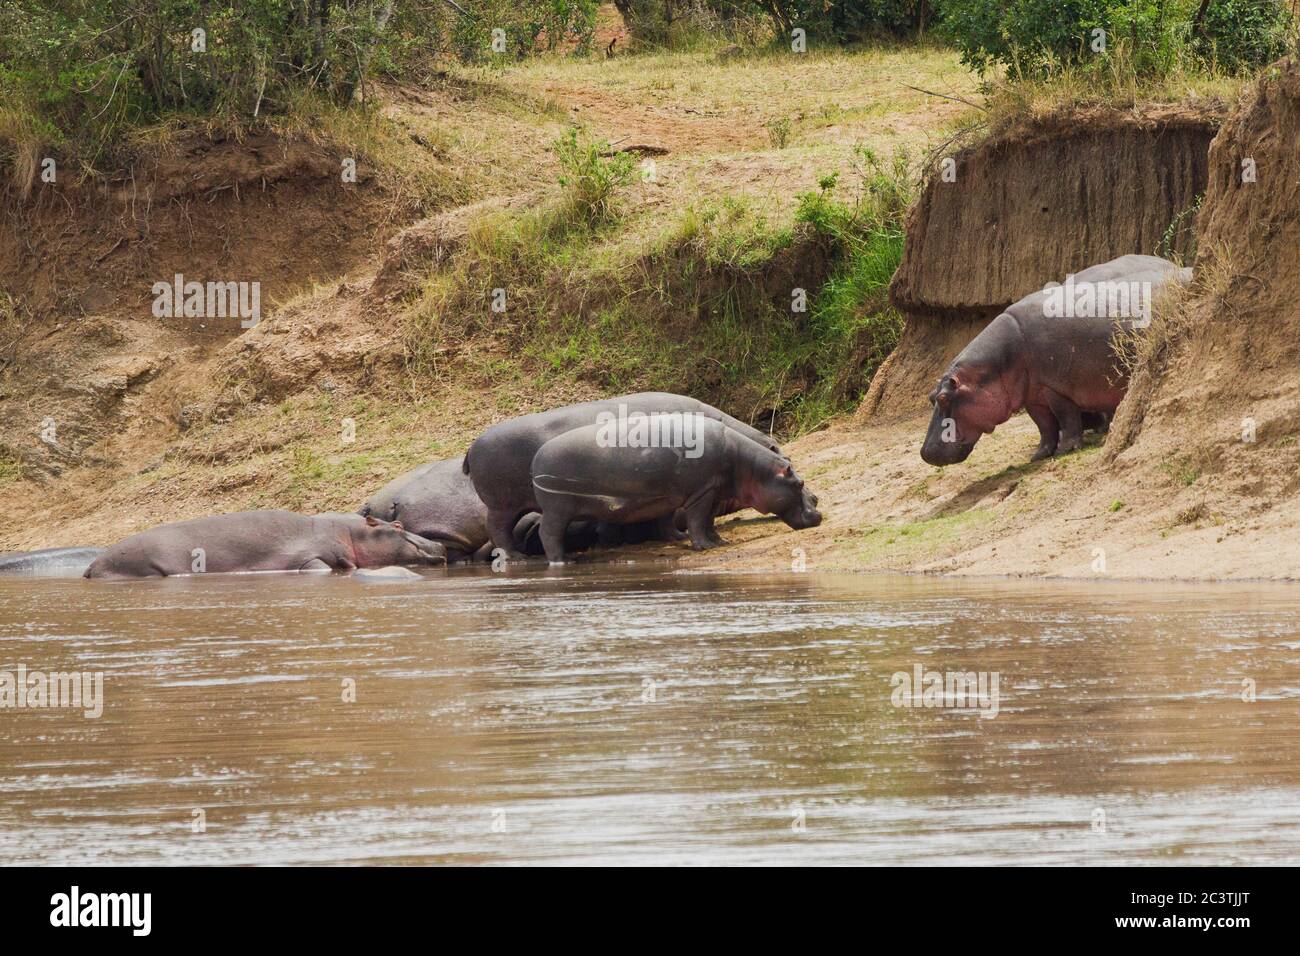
(1046, 198)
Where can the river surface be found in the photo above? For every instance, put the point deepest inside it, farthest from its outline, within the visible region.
(640, 714)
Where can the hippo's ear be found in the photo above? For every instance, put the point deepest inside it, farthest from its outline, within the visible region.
(398, 526)
(372, 521)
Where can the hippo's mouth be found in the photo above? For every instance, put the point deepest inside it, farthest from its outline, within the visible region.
(800, 517)
(939, 453)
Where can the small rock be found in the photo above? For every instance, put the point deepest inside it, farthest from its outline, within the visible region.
(390, 573)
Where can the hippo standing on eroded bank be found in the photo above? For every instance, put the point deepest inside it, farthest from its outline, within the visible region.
(1052, 354)
(500, 460)
(265, 541)
(579, 474)
(49, 562)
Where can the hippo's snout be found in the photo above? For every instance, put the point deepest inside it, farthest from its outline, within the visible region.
(940, 453)
(804, 514)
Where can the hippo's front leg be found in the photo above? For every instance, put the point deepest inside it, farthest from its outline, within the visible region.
(699, 524)
(1070, 418)
(1048, 430)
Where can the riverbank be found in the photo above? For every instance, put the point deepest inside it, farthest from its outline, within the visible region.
(379, 349)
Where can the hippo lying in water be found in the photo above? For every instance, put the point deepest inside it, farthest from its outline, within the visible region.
(49, 562)
(499, 461)
(578, 475)
(438, 501)
(1048, 356)
(265, 541)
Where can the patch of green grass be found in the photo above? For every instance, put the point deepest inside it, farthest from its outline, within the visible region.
(894, 543)
(725, 304)
(1181, 470)
(1116, 506)
(10, 468)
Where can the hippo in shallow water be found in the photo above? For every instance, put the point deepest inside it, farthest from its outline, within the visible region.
(265, 541)
(1052, 354)
(49, 562)
(500, 459)
(438, 501)
(579, 474)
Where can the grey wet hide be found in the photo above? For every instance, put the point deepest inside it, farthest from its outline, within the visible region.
(499, 461)
(580, 475)
(438, 501)
(1054, 355)
(265, 541)
(49, 562)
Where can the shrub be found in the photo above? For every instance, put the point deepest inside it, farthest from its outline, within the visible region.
(590, 178)
(1157, 36)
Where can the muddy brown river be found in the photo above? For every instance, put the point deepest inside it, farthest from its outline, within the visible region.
(641, 714)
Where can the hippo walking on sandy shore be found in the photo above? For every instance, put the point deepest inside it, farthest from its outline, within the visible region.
(49, 562)
(500, 460)
(1052, 354)
(265, 541)
(581, 474)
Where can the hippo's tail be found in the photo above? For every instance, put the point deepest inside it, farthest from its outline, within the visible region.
(464, 463)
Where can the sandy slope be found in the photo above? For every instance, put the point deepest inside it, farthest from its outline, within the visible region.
(996, 513)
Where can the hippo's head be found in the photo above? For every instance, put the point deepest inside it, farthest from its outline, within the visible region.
(965, 407)
(382, 543)
(782, 493)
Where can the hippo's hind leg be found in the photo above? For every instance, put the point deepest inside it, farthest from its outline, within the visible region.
(1099, 422)
(555, 521)
(501, 529)
(1048, 429)
(666, 528)
(1070, 418)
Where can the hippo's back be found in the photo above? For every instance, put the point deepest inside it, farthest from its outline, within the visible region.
(584, 462)
(49, 562)
(240, 541)
(500, 460)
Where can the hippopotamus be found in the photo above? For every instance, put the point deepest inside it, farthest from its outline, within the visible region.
(499, 461)
(1052, 354)
(49, 562)
(577, 475)
(437, 501)
(265, 541)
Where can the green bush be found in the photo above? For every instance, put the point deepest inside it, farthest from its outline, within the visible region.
(660, 22)
(1156, 36)
(1240, 34)
(87, 70)
(590, 177)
